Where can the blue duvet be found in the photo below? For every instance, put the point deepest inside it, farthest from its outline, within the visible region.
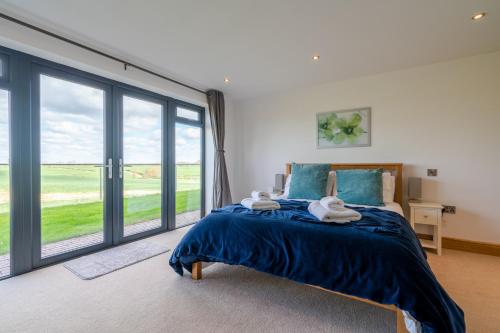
(378, 257)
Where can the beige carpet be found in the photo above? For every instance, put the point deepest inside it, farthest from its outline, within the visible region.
(150, 297)
(473, 281)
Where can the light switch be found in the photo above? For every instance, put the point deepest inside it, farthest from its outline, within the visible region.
(432, 172)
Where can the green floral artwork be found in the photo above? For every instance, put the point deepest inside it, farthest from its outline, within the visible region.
(344, 128)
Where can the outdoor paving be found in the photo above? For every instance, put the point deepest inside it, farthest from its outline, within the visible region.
(141, 227)
(67, 245)
(4, 265)
(72, 244)
(187, 218)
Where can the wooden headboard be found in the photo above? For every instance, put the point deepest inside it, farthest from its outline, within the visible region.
(396, 169)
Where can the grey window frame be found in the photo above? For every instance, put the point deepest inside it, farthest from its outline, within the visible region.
(5, 60)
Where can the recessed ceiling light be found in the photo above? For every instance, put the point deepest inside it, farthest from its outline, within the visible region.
(226, 80)
(315, 57)
(478, 16)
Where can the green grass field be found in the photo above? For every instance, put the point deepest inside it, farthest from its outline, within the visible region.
(72, 204)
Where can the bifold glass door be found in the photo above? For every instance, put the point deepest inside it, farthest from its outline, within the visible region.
(141, 152)
(87, 162)
(74, 171)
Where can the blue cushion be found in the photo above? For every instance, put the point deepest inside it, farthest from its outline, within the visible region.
(309, 181)
(360, 186)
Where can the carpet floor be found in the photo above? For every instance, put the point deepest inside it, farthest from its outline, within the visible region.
(150, 297)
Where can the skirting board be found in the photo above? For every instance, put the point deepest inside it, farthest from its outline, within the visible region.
(467, 245)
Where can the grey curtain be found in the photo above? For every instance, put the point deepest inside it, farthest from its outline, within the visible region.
(221, 192)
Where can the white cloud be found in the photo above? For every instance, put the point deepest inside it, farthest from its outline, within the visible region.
(72, 127)
(193, 132)
(73, 98)
(157, 135)
(141, 131)
(180, 142)
(187, 144)
(71, 122)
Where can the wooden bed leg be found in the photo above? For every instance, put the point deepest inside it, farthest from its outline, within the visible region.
(196, 271)
(400, 322)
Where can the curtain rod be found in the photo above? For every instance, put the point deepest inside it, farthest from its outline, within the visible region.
(126, 64)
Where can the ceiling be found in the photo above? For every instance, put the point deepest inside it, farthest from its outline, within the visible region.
(266, 46)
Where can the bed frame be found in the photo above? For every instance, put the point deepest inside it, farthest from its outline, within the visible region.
(396, 169)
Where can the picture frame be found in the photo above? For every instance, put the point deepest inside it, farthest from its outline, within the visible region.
(344, 128)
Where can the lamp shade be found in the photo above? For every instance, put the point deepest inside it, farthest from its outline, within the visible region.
(414, 188)
(279, 182)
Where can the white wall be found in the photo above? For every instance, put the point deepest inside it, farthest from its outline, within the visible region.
(444, 116)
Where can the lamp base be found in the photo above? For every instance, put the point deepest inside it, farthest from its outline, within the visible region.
(277, 191)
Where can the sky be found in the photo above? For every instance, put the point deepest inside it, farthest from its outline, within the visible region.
(187, 144)
(71, 124)
(141, 131)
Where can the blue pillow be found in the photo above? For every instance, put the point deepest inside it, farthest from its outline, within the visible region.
(360, 186)
(309, 181)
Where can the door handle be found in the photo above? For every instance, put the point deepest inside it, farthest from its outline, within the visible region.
(120, 168)
(109, 166)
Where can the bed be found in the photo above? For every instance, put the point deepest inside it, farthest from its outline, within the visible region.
(377, 260)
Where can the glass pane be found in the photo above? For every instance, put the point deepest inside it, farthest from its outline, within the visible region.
(72, 173)
(142, 148)
(188, 114)
(2, 66)
(187, 174)
(4, 185)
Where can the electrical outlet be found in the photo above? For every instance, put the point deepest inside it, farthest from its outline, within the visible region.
(449, 209)
(432, 172)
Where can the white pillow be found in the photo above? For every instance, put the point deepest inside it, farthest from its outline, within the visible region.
(286, 192)
(330, 184)
(389, 186)
(333, 192)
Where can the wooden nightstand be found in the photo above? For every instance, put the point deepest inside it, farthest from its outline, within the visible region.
(428, 213)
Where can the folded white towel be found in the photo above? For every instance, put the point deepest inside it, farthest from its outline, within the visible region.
(338, 215)
(332, 202)
(261, 195)
(252, 203)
